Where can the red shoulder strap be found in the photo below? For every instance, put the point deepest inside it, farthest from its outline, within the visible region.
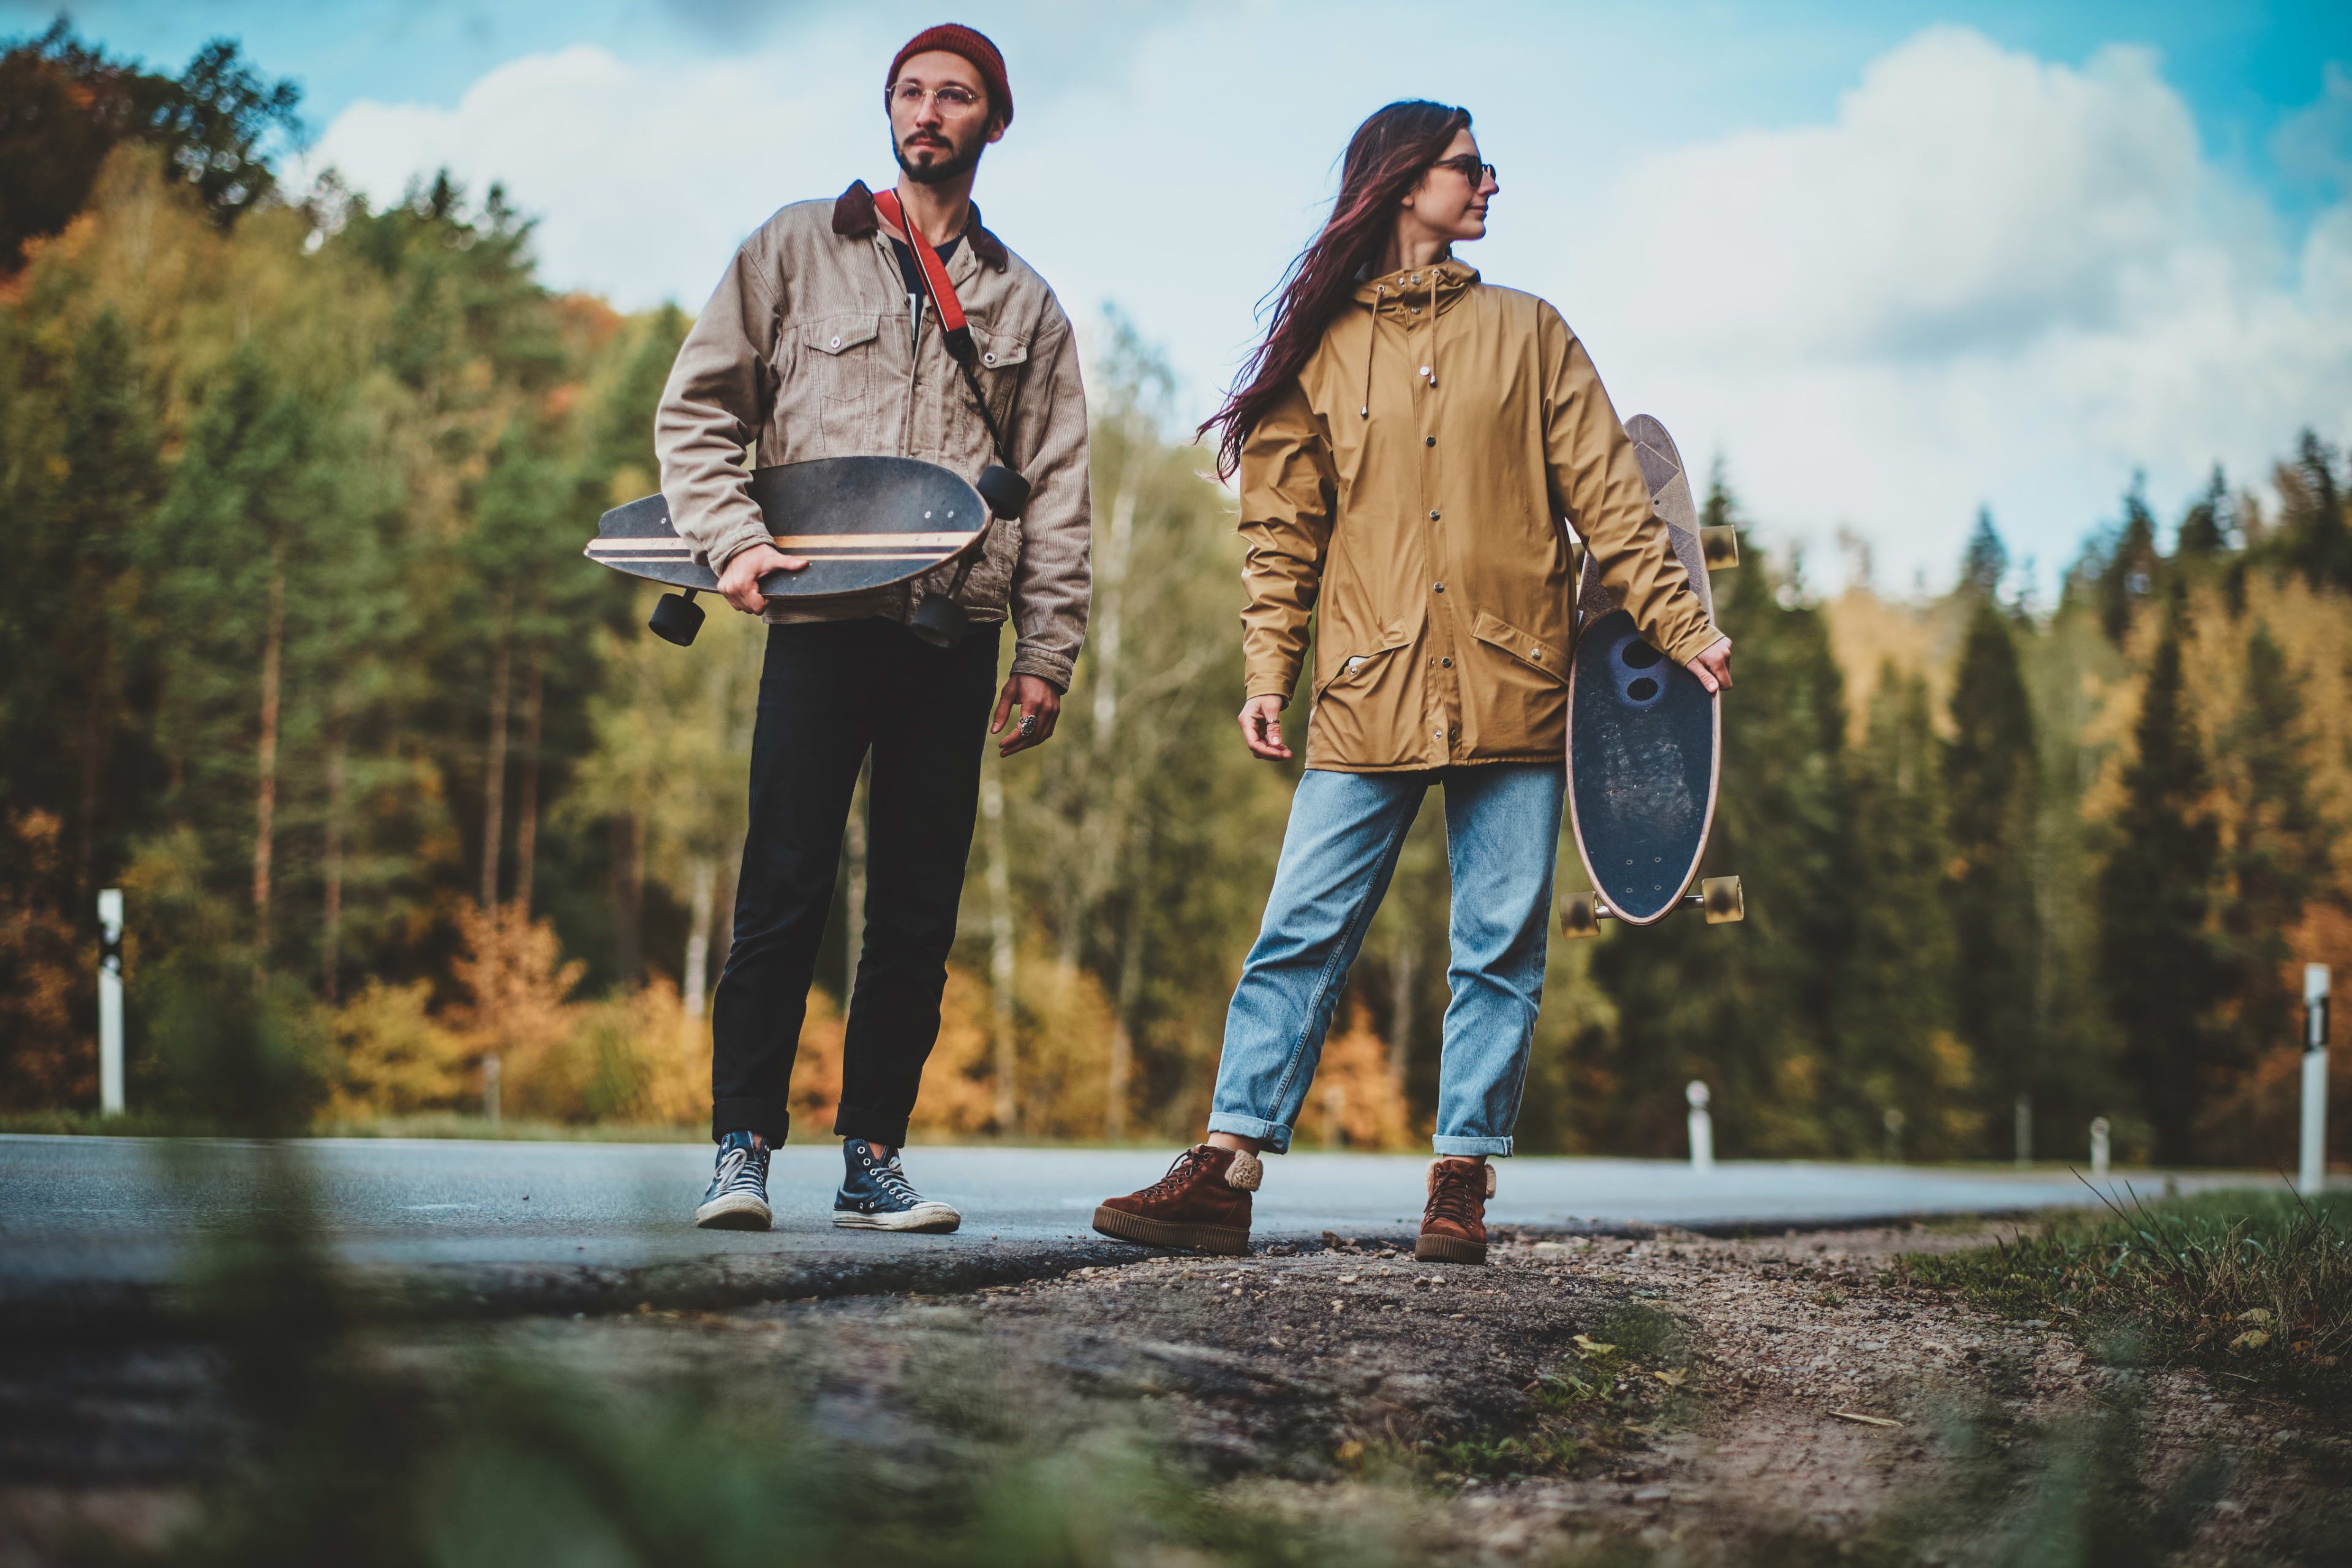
(935, 273)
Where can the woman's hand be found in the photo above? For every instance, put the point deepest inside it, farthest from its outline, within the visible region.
(1260, 722)
(1713, 666)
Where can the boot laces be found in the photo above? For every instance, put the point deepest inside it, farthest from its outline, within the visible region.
(1459, 1194)
(1179, 1176)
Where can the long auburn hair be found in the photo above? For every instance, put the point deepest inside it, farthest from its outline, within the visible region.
(1386, 159)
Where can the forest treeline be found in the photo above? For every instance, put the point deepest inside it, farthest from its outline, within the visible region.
(301, 652)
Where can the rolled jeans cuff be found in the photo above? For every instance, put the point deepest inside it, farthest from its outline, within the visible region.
(749, 1114)
(1458, 1146)
(1274, 1135)
(883, 1127)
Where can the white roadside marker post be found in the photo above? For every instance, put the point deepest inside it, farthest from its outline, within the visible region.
(2313, 1176)
(2098, 1148)
(1702, 1129)
(109, 1002)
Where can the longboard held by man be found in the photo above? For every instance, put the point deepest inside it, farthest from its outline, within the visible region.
(826, 339)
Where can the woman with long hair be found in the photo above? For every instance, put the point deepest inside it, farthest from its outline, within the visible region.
(1409, 443)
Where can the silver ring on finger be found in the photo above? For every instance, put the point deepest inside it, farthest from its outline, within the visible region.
(1028, 725)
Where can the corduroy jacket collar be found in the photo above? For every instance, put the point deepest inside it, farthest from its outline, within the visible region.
(855, 217)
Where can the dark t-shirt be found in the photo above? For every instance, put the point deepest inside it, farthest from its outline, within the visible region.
(912, 272)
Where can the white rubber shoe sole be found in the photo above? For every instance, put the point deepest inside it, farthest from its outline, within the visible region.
(931, 1216)
(733, 1211)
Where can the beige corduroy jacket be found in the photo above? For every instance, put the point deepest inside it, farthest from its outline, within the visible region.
(1409, 490)
(808, 348)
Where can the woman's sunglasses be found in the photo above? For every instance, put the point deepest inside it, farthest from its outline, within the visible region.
(1468, 167)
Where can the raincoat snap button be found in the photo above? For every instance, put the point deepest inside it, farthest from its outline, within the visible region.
(1429, 440)
(1441, 588)
(1433, 514)
(988, 359)
(1447, 663)
(836, 340)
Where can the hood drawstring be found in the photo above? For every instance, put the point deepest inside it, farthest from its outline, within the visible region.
(1429, 371)
(1433, 329)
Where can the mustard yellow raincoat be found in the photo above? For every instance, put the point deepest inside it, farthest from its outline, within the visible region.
(1412, 486)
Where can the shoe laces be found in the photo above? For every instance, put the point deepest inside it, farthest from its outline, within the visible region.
(891, 1178)
(1460, 1190)
(741, 1168)
(1179, 1175)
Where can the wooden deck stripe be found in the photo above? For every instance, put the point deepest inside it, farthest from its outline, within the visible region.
(947, 539)
(602, 552)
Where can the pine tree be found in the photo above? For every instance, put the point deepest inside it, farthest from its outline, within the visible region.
(1893, 1019)
(1989, 788)
(2280, 851)
(2317, 540)
(2204, 530)
(2163, 975)
(1986, 560)
(2127, 573)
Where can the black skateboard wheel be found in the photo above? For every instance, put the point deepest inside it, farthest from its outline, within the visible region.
(676, 618)
(1005, 491)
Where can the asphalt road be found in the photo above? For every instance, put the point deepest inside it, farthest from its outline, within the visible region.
(92, 1219)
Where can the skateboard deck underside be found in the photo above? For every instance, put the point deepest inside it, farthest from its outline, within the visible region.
(860, 523)
(1644, 738)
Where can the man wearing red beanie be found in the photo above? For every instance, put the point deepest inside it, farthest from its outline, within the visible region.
(823, 340)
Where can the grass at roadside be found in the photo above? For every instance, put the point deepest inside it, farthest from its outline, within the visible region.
(2252, 1284)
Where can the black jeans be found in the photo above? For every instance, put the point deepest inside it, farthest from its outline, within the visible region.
(829, 692)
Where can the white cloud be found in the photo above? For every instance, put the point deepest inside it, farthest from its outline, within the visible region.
(1990, 278)
(1987, 278)
(644, 179)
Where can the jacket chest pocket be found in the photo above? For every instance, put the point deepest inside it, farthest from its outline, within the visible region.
(837, 356)
(998, 365)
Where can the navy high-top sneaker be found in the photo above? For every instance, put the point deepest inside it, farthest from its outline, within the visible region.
(875, 1195)
(738, 1198)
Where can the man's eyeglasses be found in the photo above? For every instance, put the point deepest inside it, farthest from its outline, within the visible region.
(952, 99)
(1468, 167)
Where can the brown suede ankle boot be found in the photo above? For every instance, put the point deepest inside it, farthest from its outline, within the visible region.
(1204, 1202)
(1454, 1226)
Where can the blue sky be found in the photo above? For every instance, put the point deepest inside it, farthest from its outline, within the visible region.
(1890, 261)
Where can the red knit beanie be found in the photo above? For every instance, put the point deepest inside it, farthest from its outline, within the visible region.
(957, 39)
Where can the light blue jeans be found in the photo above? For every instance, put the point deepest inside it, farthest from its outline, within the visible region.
(1502, 834)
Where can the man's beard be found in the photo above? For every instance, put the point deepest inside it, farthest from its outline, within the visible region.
(954, 163)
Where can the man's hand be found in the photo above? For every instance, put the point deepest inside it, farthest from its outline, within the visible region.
(740, 583)
(1713, 666)
(1261, 722)
(1040, 705)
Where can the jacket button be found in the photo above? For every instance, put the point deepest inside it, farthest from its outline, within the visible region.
(1446, 662)
(1433, 514)
(1429, 440)
(1535, 654)
(836, 342)
(988, 359)
(1440, 588)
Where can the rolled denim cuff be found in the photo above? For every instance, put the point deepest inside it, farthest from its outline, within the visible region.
(1501, 1146)
(1274, 1135)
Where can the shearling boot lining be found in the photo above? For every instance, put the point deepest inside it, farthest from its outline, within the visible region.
(1246, 1171)
(1485, 1165)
